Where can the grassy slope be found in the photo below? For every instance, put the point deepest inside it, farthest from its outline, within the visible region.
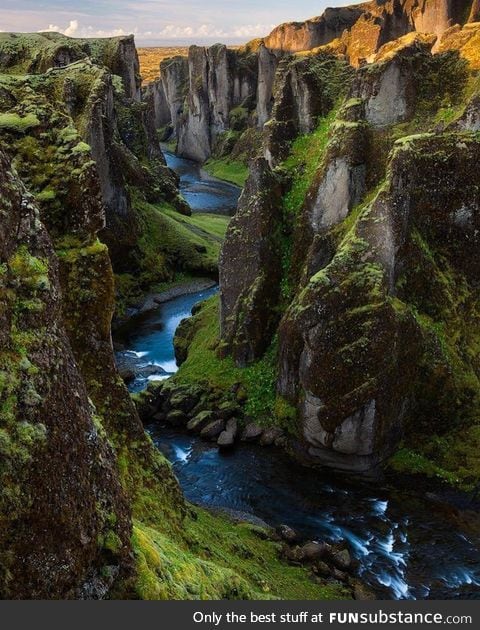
(170, 241)
(214, 558)
(232, 171)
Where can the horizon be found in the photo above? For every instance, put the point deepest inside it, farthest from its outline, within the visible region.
(155, 23)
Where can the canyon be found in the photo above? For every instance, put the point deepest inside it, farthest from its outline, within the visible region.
(346, 327)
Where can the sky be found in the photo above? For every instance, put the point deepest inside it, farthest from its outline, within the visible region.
(156, 22)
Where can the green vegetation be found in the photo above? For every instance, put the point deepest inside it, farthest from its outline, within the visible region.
(305, 158)
(19, 124)
(232, 171)
(218, 559)
(258, 381)
(170, 246)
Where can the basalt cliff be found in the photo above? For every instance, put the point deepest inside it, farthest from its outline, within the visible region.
(212, 102)
(347, 326)
(348, 314)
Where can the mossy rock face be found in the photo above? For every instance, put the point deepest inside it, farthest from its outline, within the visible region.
(56, 458)
(305, 90)
(36, 53)
(364, 346)
(379, 223)
(252, 244)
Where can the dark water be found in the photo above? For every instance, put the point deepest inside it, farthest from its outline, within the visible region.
(406, 549)
(203, 192)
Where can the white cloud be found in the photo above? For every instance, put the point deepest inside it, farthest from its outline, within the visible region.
(72, 28)
(169, 32)
(253, 30)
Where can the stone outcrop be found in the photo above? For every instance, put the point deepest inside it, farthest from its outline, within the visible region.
(365, 27)
(220, 80)
(169, 93)
(298, 36)
(306, 88)
(198, 111)
(267, 67)
(359, 393)
(358, 356)
(38, 52)
(250, 267)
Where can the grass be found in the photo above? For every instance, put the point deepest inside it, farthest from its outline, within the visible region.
(231, 171)
(257, 380)
(184, 243)
(219, 560)
(304, 160)
(170, 246)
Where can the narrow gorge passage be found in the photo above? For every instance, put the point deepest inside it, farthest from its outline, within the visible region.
(406, 548)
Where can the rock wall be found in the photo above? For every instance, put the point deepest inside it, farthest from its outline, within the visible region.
(219, 81)
(169, 93)
(355, 357)
(253, 245)
(61, 500)
(372, 24)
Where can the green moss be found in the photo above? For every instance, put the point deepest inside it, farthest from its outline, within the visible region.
(410, 462)
(170, 246)
(232, 171)
(18, 124)
(219, 560)
(258, 380)
(302, 164)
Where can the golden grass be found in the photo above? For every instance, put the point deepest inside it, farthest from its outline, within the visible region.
(150, 59)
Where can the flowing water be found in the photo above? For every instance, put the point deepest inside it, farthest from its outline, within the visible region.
(203, 192)
(406, 548)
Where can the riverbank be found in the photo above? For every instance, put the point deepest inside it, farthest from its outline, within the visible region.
(151, 301)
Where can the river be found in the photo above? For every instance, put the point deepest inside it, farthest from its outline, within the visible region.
(406, 547)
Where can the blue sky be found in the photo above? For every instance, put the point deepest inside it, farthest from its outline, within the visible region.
(156, 22)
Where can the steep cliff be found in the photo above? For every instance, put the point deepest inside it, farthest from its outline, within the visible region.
(379, 202)
(229, 92)
(35, 53)
(64, 519)
(88, 507)
(369, 25)
(221, 81)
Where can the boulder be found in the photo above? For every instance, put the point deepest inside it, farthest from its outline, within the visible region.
(227, 410)
(270, 436)
(185, 400)
(213, 429)
(232, 427)
(361, 592)
(341, 559)
(306, 554)
(251, 432)
(227, 437)
(287, 534)
(199, 422)
(322, 569)
(176, 418)
(226, 440)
